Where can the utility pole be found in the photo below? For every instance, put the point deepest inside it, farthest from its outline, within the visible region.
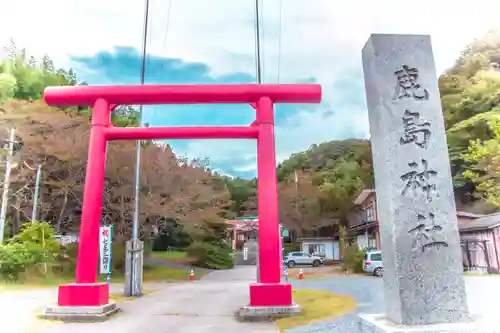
(6, 182)
(37, 190)
(135, 248)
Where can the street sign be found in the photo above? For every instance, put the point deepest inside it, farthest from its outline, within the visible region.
(245, 253)
(105, 242)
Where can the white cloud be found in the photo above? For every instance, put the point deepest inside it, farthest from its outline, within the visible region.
(320, 38)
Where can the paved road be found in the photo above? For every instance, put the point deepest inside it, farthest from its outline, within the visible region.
(482, 291)
(205, 306)
(483, 294)
(20, 308)
(208, 305)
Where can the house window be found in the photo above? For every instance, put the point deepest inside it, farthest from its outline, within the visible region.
(369, 214)
(317, 249)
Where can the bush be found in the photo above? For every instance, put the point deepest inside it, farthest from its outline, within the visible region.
(209, 255)
(291, 247)
(148, 247)
(16, 258)
(353, 259)
(118, 256)
(67, 262)
(34, 245)
(172, 236)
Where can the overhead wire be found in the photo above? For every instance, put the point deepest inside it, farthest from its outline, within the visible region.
(257, 44)
(263, 38)
(144, 43)
(165, 35)
(135, 219)
(167, 26)
(279, 38)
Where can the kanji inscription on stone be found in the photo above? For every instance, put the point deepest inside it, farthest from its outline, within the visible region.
(427, 233)
(415, 130)
(419, 178)
(407, 86)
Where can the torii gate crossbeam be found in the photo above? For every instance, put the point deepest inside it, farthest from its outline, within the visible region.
(270, 291)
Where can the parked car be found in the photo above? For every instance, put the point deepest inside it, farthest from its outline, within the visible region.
(372, 263)
(302, 258)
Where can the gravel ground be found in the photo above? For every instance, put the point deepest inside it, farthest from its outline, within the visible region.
(483, 293)
(207, 305)
(204, 306)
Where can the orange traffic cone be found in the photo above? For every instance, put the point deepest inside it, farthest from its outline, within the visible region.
(191, 275)
(301, 274)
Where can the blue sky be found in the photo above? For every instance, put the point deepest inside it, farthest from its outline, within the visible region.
(123, 64)
(213, 42)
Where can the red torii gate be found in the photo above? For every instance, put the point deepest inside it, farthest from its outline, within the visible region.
(270, 291)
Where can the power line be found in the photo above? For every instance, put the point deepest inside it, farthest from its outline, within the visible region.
(133, 285)
(167, 26)
(169, 9)
(144, 41)
(257, 43)
(279, 39)
(263, 36)
(135, 221)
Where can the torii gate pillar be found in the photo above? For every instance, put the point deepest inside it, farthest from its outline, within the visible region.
(87, 298)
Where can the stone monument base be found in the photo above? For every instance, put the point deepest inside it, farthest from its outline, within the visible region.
(380, 324)
(256, 313)
(80, 313)
(134, 258)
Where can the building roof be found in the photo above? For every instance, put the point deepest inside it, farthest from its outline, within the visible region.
(467, 214)
(476, 222)
(482, 223)
(315, 239)
(243, 225)
(363, 196)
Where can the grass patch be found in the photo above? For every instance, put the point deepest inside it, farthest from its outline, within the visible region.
(151, 273)
(175, 256)
(33, 283)
(313, 272)
(169, 254)
(164, 273)
(316, 306)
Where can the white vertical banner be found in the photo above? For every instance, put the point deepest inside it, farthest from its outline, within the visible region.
(280, 244)
(245, 253)
(105, 239)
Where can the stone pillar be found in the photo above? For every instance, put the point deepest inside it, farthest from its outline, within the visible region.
(134, 257)
(422, 258)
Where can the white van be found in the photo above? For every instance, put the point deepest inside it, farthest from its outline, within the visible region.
(372, 263)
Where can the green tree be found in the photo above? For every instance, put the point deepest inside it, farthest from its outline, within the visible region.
(318, 186)
(240, 191)
(484, 157)
(8, 85)
(470, 88)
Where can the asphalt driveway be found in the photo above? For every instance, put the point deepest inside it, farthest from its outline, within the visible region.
(205, 306)
(483, 293)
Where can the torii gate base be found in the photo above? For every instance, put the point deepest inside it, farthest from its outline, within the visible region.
(88, 299)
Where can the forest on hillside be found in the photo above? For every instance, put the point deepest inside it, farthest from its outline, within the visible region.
(316, 187)
(322, 182)
(172, 188)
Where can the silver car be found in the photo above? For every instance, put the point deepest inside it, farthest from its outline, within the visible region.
(302, 258)
(372, 263)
